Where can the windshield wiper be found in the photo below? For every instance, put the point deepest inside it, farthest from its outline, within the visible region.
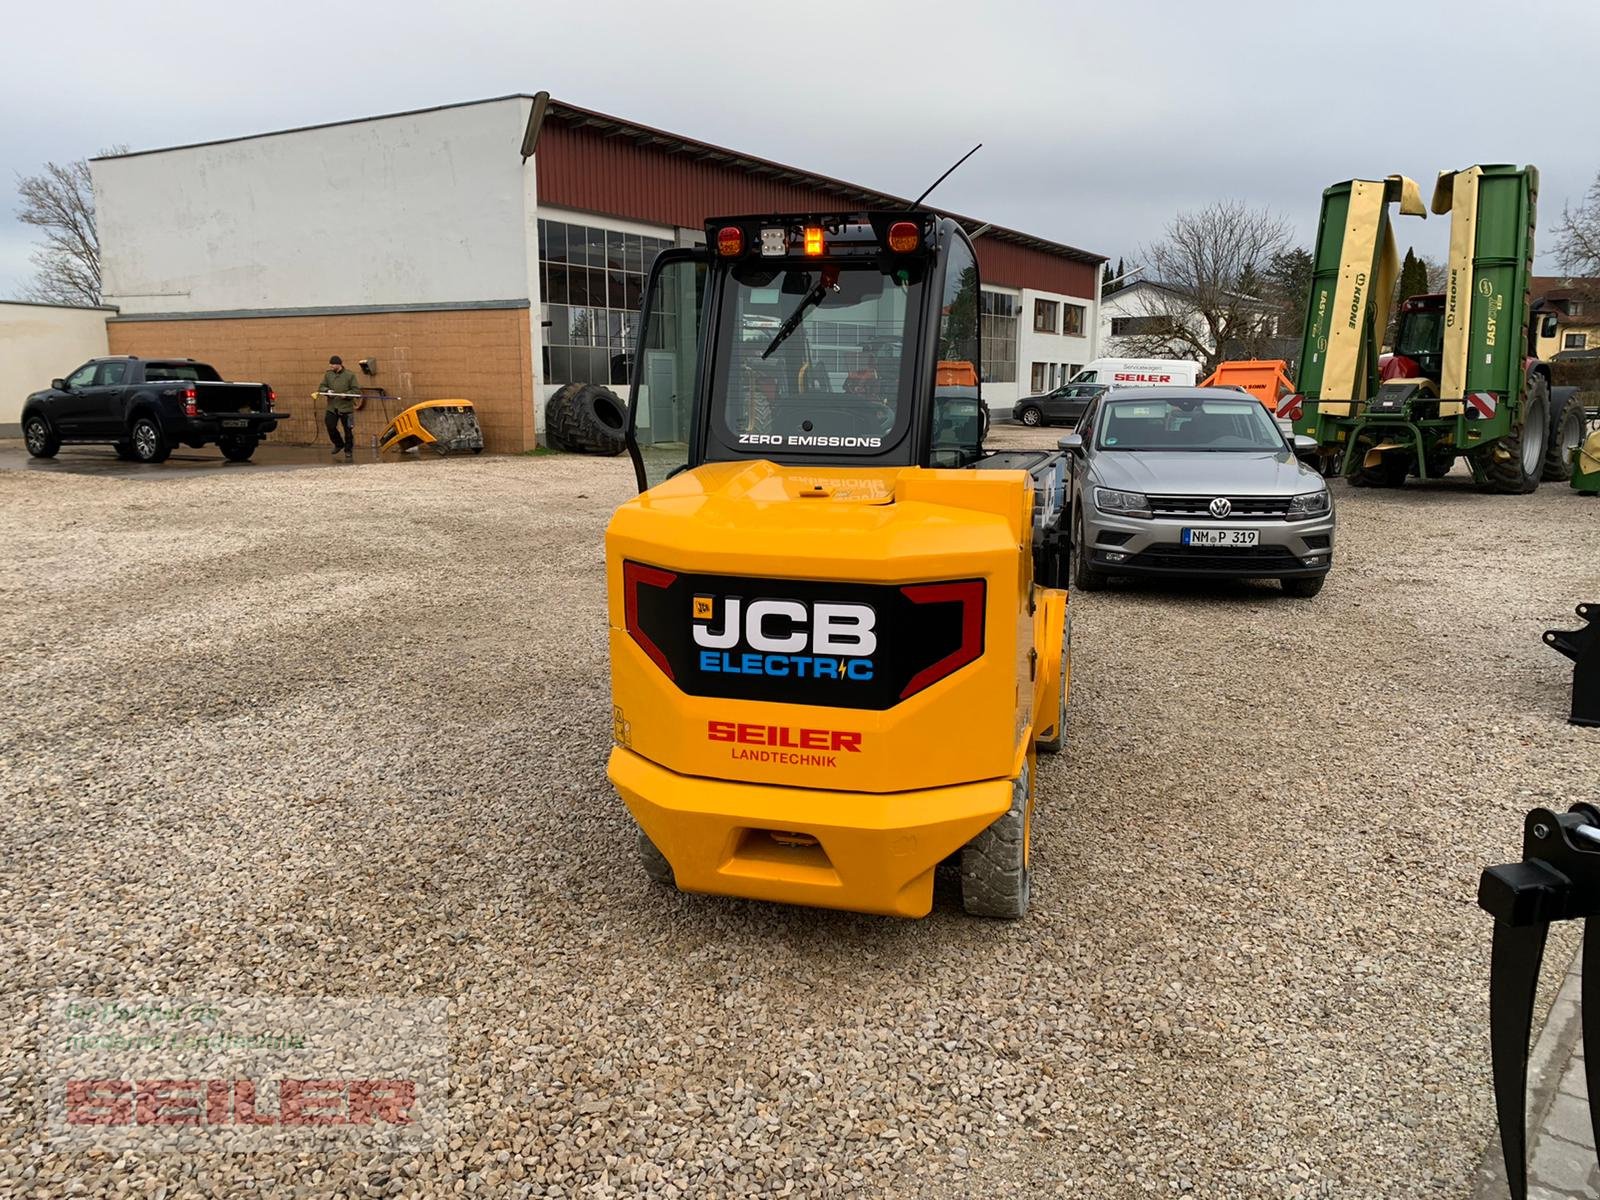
(792, 321)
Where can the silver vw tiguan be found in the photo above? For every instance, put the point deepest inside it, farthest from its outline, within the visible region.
(1197, 482)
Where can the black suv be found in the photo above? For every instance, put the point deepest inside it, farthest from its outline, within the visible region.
(146, 407)
(1064, 406)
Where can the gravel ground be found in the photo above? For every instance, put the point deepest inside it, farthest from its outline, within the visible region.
(342, 732)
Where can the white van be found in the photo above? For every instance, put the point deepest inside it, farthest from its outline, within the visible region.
(1140, 372)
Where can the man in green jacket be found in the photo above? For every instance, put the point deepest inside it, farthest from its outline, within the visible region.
(339, 388)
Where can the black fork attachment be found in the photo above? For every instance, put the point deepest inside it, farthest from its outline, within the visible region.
(1558, 879)
(1582, 646)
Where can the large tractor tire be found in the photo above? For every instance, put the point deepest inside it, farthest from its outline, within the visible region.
(1566, 435)
(586, 419)
(1513, 464)
(994, 865)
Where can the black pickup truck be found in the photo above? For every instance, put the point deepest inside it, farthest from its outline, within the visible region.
(144, 407)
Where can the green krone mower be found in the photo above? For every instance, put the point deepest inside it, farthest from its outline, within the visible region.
(1463, 380)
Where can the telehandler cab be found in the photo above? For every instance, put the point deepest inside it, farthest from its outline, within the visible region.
(838, 626)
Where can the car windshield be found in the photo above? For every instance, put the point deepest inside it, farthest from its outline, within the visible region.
(1185, 423)
(815, 356)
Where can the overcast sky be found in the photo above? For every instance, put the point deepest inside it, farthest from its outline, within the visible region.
(1099, 121)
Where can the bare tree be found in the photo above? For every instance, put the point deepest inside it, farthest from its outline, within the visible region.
(1210, 269)
(60, 201)
(1437, 274)
(1578, 234)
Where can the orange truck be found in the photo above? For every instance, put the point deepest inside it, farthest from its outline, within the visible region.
(1267, 379)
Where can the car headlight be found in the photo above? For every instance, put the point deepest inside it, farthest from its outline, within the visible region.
(1122, 504)
(1309, 505)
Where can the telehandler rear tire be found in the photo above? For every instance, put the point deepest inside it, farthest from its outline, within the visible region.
(994, 865)
(1566, 435)
(1058, 739)
(654, 862)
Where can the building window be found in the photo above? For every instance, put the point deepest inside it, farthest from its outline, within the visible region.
(1575, 308)
(1072, 325)
(1044, 316)
(997, 328)
(1073, 369)
(1039, 379)
(1575, 341)
(1132, 326)
(592, 283)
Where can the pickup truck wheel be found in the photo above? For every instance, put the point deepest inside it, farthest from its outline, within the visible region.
(994, 865)
(149, 445)
(40, 439)
(654, 862)
(1031, 416)
(238, 447)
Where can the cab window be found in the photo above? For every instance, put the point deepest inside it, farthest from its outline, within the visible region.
(111, 374)
(957, 401)
(84, 376)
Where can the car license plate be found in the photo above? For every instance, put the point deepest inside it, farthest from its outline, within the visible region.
(1221, 537)
(234, 424)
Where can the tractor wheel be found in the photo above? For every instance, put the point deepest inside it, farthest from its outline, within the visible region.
(238, 448)
(586, 419)
(40, 439)
(1031, 416)
(654, 862)
(1058, 739)
(1084, 577)
(1566, 435)
(1440, 460)
(994, 865)
(1512, 464)
(1391, 472)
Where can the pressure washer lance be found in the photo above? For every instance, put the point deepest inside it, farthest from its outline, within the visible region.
(1558, 879)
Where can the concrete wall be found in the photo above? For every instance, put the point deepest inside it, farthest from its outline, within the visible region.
(482, 355)
(1033, 346)
(41, 342)
(423, 208)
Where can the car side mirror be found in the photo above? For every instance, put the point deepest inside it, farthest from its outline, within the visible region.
(1304, 447)
(60, 385)
(1071, 442)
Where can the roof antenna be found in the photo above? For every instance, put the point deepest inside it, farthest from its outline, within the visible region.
(947, 174)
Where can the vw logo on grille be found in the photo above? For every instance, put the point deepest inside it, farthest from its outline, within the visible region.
(1221, 507)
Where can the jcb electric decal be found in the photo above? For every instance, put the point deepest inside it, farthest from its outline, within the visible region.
(845, 645)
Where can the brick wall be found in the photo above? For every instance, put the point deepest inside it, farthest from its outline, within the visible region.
(482, 355)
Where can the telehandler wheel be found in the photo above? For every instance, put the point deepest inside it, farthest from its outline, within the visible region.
(1058, 739)
(1566, 435)
(1512, 464)
(1084, 577)
(994, 865)
(654, 862)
